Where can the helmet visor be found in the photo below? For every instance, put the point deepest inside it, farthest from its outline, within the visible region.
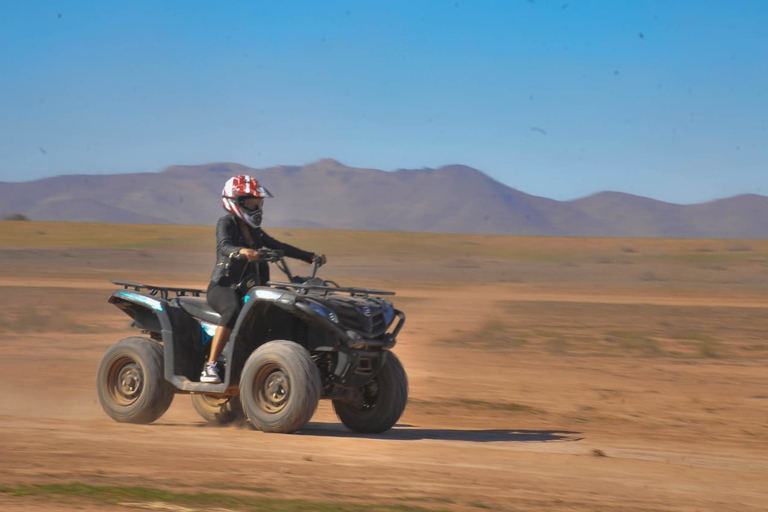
(250, 203)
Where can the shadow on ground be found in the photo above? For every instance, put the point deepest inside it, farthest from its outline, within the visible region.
(407, 433)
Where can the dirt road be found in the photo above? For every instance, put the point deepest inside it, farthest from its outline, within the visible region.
(524, 397)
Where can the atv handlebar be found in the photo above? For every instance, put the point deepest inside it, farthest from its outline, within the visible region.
(316, 264)
(270, 255)
(265, 255)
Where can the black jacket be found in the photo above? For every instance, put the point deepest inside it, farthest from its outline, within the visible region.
(229, 240)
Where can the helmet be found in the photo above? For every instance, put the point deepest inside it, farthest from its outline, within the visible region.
(236, 191)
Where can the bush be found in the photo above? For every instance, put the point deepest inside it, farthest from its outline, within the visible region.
(16, 216)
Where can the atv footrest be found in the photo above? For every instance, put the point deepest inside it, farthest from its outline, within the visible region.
(183, 384)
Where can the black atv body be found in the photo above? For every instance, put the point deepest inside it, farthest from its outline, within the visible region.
(293, 343)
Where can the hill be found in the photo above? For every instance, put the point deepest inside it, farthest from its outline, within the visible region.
(329, 195)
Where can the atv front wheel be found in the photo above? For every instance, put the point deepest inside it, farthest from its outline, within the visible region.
(384, 399)
(219, 411)
(130, 381)
(280, 387)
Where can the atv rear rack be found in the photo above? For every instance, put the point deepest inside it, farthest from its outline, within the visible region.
(163, 291)
(363, 292)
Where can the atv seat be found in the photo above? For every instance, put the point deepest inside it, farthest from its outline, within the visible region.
(199, 308)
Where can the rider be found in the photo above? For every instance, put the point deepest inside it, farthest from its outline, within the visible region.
(238, 239)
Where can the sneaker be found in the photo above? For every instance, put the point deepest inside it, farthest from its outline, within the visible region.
(210, 374)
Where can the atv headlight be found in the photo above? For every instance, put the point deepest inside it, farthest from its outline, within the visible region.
(323, 311)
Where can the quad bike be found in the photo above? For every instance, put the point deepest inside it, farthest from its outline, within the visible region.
(294, 343)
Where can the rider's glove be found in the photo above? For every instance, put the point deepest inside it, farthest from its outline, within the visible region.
(320, 259)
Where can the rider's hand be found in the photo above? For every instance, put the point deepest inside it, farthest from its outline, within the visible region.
(251, 254)
(320, 259)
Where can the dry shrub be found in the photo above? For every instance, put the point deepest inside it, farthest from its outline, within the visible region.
(711, 266)
(651, 276)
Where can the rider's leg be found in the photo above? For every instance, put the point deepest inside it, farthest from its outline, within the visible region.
(220, 338)
(225, 301)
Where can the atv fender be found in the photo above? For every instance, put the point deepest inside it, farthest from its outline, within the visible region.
(260, 303)
(261, 298)
(150, 313)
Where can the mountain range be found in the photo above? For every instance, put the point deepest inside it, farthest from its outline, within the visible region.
(329, 195)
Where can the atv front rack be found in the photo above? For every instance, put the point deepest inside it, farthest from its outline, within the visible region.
(163, 291)
(363, 292)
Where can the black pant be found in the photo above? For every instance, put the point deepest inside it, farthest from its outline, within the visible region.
(226, 302)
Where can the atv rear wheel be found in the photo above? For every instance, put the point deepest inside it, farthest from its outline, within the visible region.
(384, 399)
(220, 411)
(280, 387)
(130, 381)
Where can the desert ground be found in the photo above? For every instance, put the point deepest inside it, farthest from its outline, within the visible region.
(557, 374)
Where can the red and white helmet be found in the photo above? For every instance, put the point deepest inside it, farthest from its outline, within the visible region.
(236, 191)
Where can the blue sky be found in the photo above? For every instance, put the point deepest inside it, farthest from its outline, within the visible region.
(666, 99)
